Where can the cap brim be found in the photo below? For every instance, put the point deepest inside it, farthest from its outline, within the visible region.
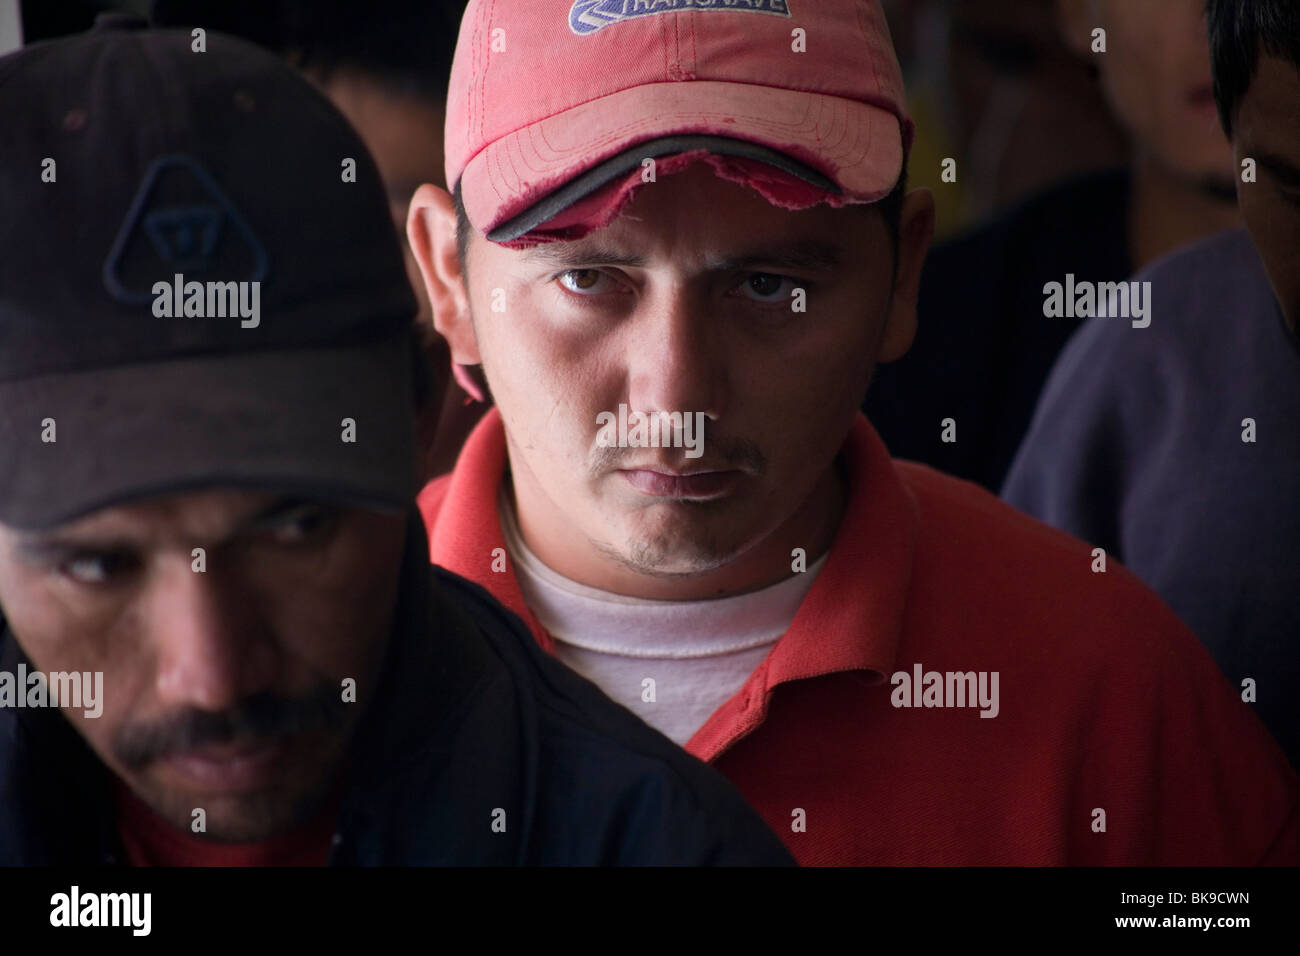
(270, 420)
(631, 159)
(857, 147)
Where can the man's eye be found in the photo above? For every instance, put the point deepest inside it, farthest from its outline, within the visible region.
(768, 287)
(302, 524)
(584, 281)
(93, 568)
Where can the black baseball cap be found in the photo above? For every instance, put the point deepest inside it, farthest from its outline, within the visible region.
(200, 283)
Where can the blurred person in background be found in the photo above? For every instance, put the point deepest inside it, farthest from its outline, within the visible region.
(962, 398)
(993, 82)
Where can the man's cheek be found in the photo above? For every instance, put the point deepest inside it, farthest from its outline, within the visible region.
(100, 731)
(825, 384)
(59, 624)
(328, 641)
(333, 626)
(1275, 229)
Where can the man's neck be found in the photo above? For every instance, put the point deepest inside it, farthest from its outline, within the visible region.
(1167, 210)
(811, 528)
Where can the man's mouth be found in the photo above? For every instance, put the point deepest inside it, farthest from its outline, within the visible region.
(692, 486)
(230, 768)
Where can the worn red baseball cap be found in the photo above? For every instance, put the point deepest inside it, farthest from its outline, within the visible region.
(555, 106)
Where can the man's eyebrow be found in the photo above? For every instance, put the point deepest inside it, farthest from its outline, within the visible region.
(564, 253)
(812, 254)
(1283, 169)
(44, 550)
(809, 254)
(47, 548)
(276, 510)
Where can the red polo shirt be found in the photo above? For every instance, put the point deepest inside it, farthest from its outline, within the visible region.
(1117, 740)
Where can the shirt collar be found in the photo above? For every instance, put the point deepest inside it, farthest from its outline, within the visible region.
(467, 538)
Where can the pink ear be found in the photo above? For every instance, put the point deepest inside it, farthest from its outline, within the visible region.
(466, 381)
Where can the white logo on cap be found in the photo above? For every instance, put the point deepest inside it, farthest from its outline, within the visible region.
(588, 16)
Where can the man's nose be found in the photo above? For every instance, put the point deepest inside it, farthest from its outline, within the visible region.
(674, 363)
(210, 650)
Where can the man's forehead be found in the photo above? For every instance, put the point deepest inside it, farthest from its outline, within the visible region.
(1273, 98)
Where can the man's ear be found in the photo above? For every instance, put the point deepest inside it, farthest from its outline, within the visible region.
(431, 230)
(915, 230)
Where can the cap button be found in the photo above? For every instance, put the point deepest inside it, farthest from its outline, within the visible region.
(120, 20)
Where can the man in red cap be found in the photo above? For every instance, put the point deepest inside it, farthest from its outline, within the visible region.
(678, 244)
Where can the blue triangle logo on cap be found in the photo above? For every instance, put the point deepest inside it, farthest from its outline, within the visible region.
(180, 221)
(185, 235)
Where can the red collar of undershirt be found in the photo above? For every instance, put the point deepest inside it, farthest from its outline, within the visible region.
(149, 840)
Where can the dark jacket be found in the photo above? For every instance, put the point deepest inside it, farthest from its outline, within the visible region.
(469, 716)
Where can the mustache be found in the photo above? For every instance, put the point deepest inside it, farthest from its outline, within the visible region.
(262, 716)
(725, 454)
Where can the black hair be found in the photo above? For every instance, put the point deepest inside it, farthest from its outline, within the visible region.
(405, 45)
(891, 208)
(1239, 30)
(421, 371)
(463, 228)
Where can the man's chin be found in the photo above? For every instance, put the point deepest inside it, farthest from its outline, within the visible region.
(236, 818)
(670, 555)
(669, 569)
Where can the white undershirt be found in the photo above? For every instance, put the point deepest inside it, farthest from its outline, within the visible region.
(698, 653)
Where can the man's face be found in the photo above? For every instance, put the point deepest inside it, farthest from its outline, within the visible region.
(686, 304)
(1267, 129)
(223, 687)
(1156, 76)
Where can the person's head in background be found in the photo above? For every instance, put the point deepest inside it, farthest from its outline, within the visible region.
(1155, 73)
(1023, 113)
(1255, 49)
(385, 66)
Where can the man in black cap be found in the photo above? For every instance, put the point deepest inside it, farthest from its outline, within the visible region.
(210, 559)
